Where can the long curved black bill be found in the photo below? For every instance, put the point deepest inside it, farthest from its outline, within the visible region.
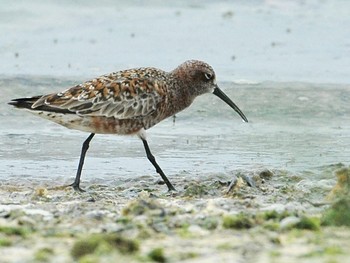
(218, 92)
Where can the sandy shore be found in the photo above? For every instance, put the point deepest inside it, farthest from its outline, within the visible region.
(281, 219)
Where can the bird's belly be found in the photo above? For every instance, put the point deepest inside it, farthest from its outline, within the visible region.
(94, 124)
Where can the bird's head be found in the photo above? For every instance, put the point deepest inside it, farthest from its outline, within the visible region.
(199, 78)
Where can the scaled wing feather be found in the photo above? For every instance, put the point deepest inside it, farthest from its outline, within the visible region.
(120, 98)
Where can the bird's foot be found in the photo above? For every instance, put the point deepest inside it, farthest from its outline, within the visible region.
(76, 187)
(171, 188)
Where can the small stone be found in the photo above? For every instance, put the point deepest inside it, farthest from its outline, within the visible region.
(38, 214)
(266, 174)
(26, 221)
(197, 230)
(289, 222)
(41, 192)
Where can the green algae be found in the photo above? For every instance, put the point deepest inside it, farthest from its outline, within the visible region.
(274, 215)
(15, 230)
(325, 251)
(240, 221)
(157, 255)
(124, 219)
(271, 225)
(308, 223)
(142, 206)
(103, 243)
(270, 220)
(43, 254)
(195, 189)
(188, 255)
(90, 259)
(209, 222)
(184, 232)
(4, 242)
(86, 246)
(338, 214)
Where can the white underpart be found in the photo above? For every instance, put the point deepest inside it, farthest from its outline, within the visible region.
(142, 134)
(71, 121)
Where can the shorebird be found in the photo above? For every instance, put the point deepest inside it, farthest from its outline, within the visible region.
(127, 102)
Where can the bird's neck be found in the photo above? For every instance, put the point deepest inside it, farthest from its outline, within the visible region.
(180, 100)
(180, 91)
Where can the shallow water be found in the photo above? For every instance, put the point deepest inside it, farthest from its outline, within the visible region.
(297, 127)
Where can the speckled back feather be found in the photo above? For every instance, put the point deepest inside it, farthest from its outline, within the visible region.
(123, 95)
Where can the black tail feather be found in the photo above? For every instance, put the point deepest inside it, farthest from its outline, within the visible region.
(26, 103)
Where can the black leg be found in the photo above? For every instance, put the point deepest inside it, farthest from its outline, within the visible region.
(158, 169)
(84, 149)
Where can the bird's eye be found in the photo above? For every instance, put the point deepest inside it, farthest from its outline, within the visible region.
(208, 76)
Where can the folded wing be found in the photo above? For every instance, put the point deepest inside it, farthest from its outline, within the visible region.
(122, 95)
